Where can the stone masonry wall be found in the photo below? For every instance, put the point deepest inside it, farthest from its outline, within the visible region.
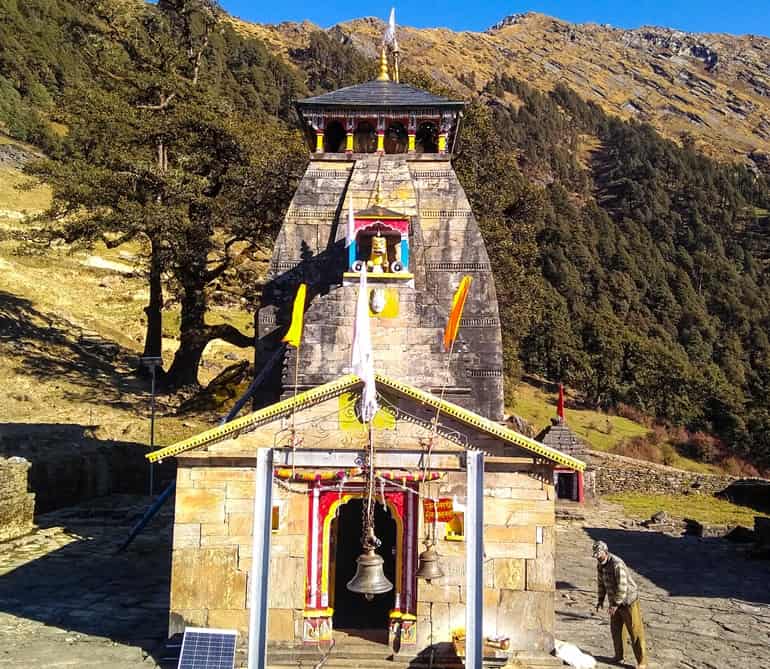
(17, 506)
(518, 569)
(213, 530)
(616, 473)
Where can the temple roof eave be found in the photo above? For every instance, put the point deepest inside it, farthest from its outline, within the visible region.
(378, 95)
(350, 382)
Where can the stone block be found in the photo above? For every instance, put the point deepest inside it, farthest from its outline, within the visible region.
(289, 545)
(240, 524)
(213, 529)
(225, 540)
(296, 514)
(200, 505)
(230, 619)
(238, 505)
(207, 578)
(287, 583)
(181, 618)
(224, 473)
(432, 592)
(240, 490)
(527, 618)
(432, 623)
(187, 535)
(499, 511)
(280, 623)
(540, 574)
(515, 534)
(531, 493)
(547, 549)
(509, 573)
(509, 550)
(184, 478)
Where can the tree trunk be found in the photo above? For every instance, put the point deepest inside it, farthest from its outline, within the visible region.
(154, 309)
(194, 336)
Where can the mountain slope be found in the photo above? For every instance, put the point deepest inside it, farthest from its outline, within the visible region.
(714, 87)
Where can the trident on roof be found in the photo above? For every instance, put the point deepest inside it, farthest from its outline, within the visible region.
(390, 42)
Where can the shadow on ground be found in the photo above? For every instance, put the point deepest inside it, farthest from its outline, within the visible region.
(70, 465)
(46, 346)
(702, 568)
(84, 587)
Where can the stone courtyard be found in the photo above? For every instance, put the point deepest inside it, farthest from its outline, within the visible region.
(67, 600)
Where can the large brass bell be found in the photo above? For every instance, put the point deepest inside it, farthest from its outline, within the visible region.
(369, 579)
(428, 565)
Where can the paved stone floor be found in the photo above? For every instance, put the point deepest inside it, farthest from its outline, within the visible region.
(66, 599)
(705, 604)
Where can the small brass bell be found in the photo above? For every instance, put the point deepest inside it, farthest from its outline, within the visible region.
(369, 579)
(429, 567)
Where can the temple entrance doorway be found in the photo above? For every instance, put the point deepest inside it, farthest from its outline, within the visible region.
(351, 610)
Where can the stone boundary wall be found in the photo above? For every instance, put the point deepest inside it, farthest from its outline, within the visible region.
(17, 506)
(617, 473)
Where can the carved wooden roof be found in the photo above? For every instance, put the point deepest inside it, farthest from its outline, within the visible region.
(378, 95)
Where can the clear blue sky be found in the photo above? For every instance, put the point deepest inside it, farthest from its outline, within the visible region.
(743, 16)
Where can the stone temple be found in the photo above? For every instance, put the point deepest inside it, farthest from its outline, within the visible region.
(383, 150)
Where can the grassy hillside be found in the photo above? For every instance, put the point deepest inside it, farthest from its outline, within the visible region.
(601, 431)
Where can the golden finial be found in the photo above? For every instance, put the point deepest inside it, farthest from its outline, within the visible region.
(383, 76)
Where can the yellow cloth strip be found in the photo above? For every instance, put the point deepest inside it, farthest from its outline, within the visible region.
(481, 423)
(294, 335)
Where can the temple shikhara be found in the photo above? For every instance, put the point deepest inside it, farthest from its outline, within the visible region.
(373, 410)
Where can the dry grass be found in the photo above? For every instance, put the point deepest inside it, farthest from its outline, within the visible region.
(703, 508)
(18, 201)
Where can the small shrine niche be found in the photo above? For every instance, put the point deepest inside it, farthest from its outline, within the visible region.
(381, 244)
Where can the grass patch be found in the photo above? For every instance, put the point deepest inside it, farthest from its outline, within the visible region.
(601, 430)
(23, 201)
(703, 508)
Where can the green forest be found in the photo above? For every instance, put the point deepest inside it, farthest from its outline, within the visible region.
(623, 267)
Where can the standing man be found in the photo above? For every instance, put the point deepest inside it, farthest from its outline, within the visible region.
(614, 582)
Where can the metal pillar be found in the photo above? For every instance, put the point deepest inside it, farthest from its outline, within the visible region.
(260, 564)
(474, 559)
(152, 363)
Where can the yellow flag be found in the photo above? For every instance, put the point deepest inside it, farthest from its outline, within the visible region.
(294, 335)
(458, 302)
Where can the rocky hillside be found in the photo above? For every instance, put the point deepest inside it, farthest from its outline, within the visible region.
(713, 87)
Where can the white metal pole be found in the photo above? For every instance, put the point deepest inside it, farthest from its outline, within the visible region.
(474, 565)
(260, 564)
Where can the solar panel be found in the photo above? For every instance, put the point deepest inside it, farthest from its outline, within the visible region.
(207, 648)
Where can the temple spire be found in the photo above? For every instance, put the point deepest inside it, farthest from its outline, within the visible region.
(383, 76)
(560, 405)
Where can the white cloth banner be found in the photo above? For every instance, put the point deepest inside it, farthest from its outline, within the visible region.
(390, 31)
(350, 233)
(362, 361)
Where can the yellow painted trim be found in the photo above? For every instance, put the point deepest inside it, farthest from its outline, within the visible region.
(318, 613)
(380, 276)
(234, 427)
(481, 423)
(325, 546)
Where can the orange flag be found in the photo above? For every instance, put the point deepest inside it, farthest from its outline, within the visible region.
(294, 334)
(458, 302)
